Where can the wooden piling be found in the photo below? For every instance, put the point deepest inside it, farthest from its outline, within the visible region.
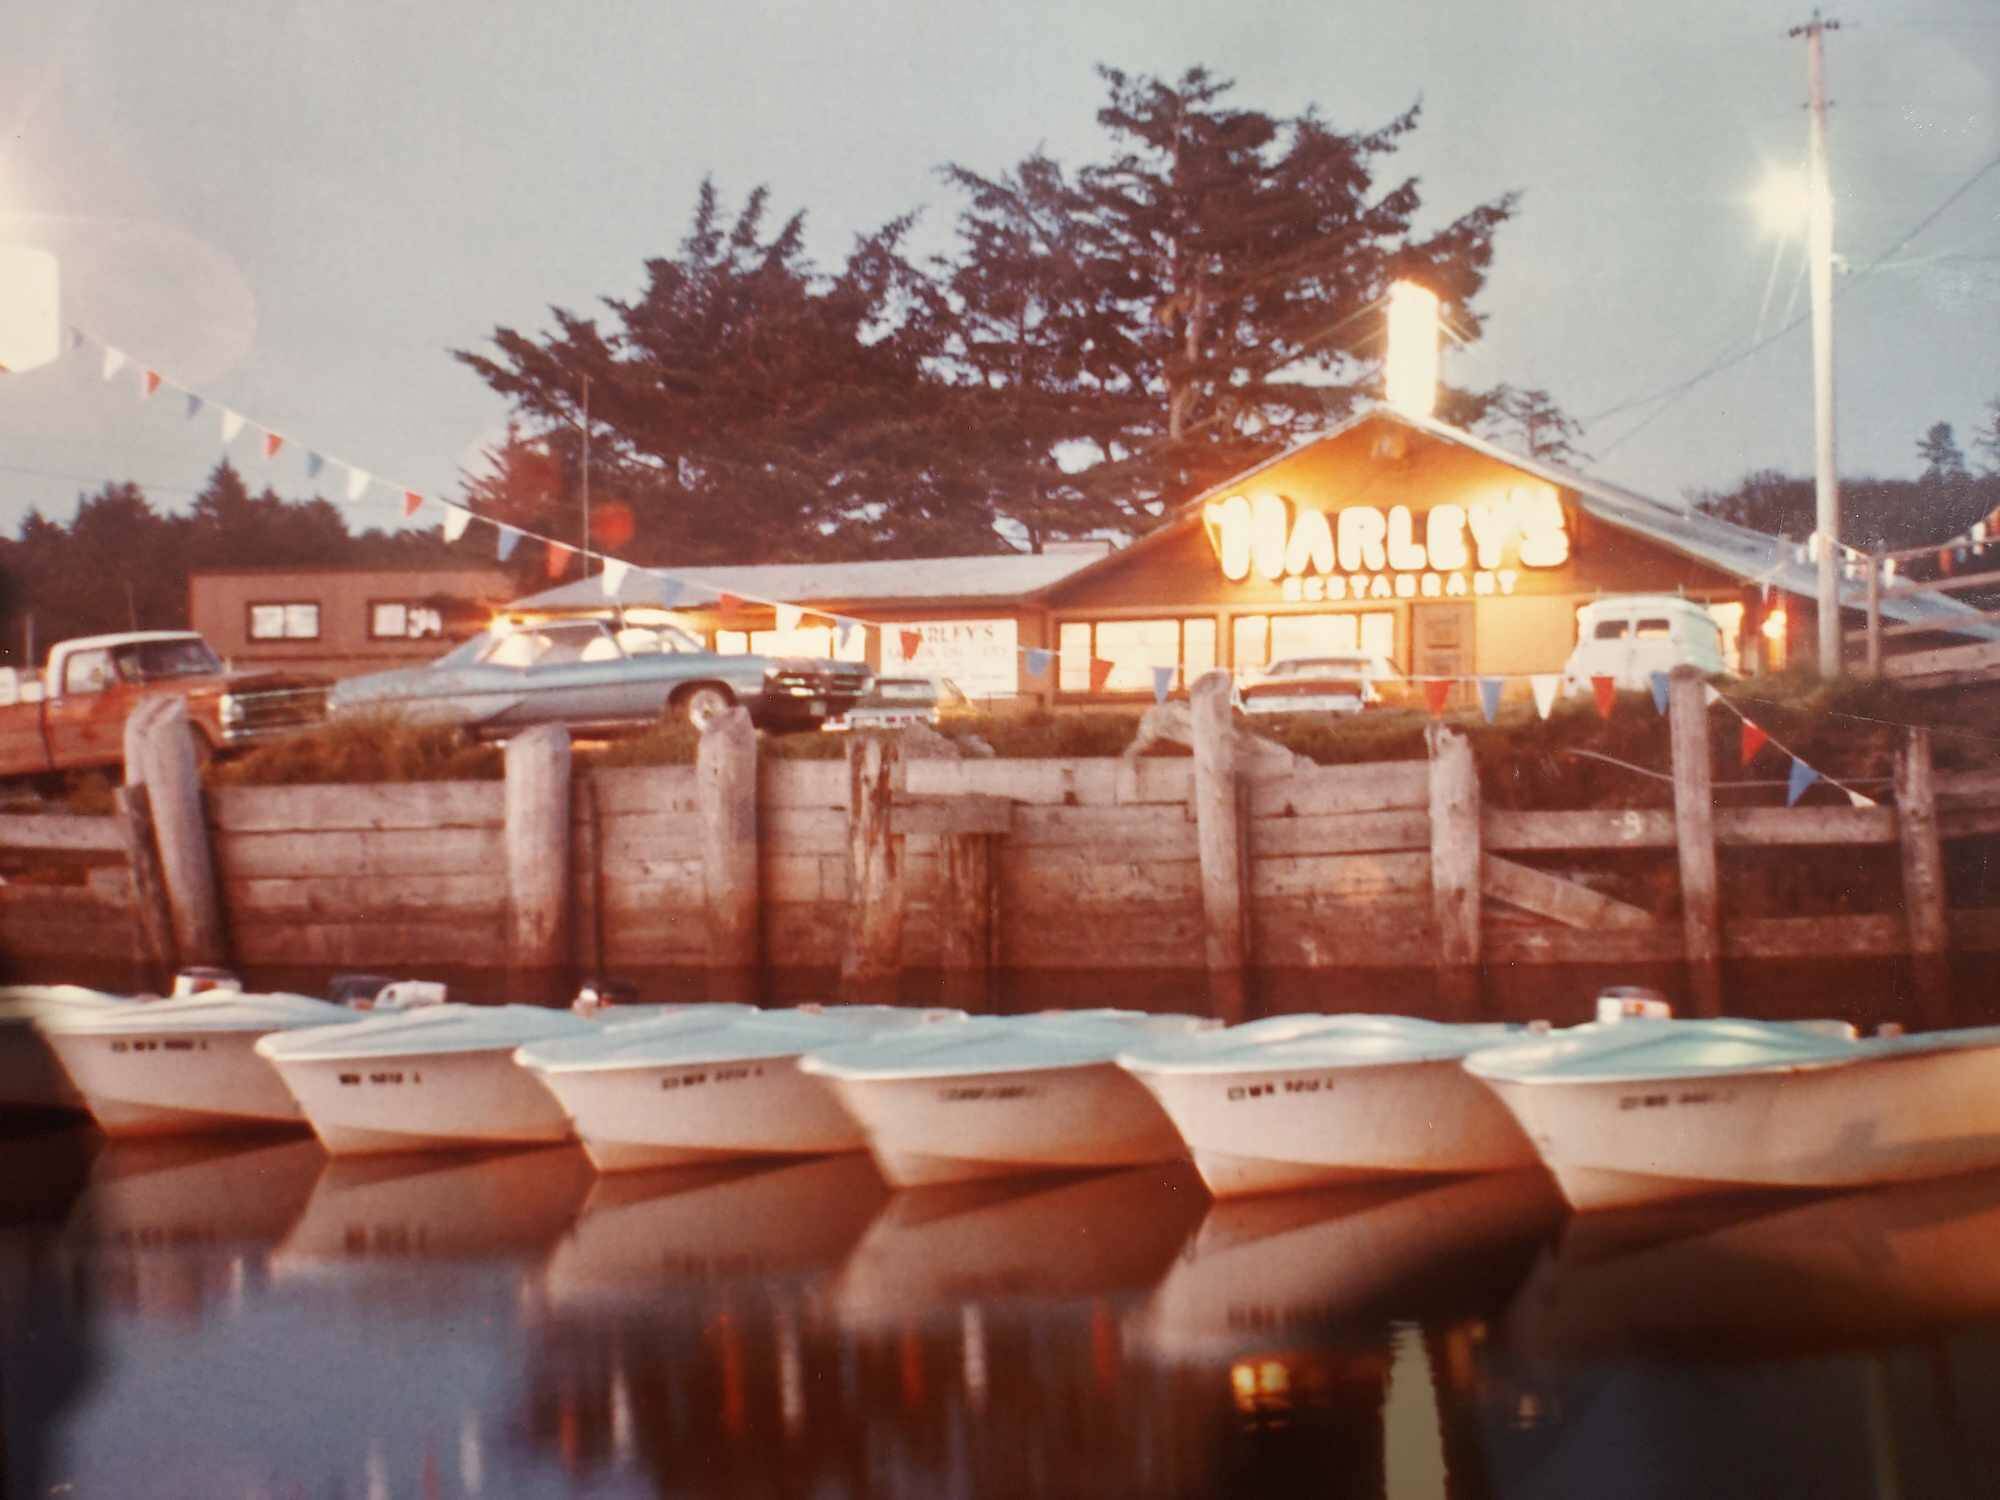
(1456, 866)
(536, 833)
(152, 913)
(159, 745)
(967, 926)
(726, 792)
(871, 962)
(1220, 841)
(1694, 833)
(1924, 898)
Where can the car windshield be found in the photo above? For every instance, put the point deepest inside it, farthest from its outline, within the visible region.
(1324, 666)
(147, 661)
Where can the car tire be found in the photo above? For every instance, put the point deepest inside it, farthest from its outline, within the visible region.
(701, 705)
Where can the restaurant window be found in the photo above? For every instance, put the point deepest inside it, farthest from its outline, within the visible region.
(1259, 639)
(284, 622)
(404, 620)
(1134, 648)
(805, 640)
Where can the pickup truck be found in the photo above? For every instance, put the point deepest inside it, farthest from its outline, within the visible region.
(71, 716)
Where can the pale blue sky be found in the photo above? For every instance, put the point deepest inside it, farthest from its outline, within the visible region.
(297, 207)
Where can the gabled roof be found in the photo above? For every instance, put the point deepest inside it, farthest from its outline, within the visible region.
(1003, 576)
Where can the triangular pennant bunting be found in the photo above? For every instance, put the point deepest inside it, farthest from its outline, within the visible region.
(1038, 662)
(314, 463)
(232, 424)
(1489, 698)
(613, 577)
(1753, 741)
(412, 503)
(194, 406)
(788, 616)
(114, 361)
(1100, 673)
(557, 561)
(149, 385)
(842, 629)
(1605, 691)
(1859, 799)
(273, 441)
(1658, 682)
(508, 540)
(1802, 777)
(76, 338)
(727, 601)
(456, 520)
(1710, 695)
(357, 483)
(1436, 690)
(1544, 685)
(1163, 682)
(912, 641)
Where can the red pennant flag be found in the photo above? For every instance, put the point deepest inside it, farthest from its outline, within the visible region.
(1100, 673)
(1605, 690)
(1436, 690)
(1753, 741)
(412, 502)
(559, 556)
(1944, 558)
(151, 383)
(728, 601)
(913, 642)
(272, 443)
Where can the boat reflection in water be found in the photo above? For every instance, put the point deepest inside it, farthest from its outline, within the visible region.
(1840, 1346)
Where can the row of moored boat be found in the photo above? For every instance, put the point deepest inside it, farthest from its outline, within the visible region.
(1631, 1107)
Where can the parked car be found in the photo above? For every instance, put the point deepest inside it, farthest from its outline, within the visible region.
(1628, 637)
(1342, 682)
(589, 675)
(906, 700)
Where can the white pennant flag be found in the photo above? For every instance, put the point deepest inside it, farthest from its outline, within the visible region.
(788, 616)
(232, 424)
(455, 522)
(1710, 695)
(1857, 798)
(613, 576)
(357, 483)
(1544, 685)
(114, 361)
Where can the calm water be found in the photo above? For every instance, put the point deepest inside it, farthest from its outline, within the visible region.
(249, 1319)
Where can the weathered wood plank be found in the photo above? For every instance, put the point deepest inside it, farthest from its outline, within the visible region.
(1694, 837)
(1967, 789)
(1294, 933)
(1350, 876)
(1083, 937)
(1039, 885)
(1378, 786)
(1124, 832)
(1145, 780)
(674, 888)
(1970, 823)
(726, 777)
(1512, 832)
(419, 806)
(1455, 872)
(1559, 900)
(802, 830)
(360, 898)
(364, 944)
(1975, 929)
(960, 813)
(1796, 826)
(641, 837)
(663, 791)
(805, 934)
(64, 833)
(803, 783)
(1340, 833)
(871, 960)
(66, 928)
(1852, 935)
(1076, 782)
(442, 851)
(1509, 944)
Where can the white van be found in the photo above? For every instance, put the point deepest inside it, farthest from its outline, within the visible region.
(1629, 637)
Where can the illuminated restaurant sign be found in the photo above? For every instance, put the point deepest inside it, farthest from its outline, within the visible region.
(1376, 552)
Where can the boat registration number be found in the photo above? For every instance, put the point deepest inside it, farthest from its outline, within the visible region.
(1277, 1086)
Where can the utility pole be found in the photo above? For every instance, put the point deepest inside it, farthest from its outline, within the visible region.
(1819, 251)
(584, 548)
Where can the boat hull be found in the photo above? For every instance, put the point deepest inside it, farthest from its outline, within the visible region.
(1613, 1144)
(1274, 1129)
(31, 1075)
(680, 1114)
(456, 1101)
(958, 1127)
(136, 1084)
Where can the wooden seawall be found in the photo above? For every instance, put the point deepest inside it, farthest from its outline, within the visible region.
(1259, 886)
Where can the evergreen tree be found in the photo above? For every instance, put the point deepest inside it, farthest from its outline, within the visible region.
(1532, 422)
(1986, 439)
(1944, 463)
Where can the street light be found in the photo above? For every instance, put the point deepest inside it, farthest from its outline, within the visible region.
(30, 311)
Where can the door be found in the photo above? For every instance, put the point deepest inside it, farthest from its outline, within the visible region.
(1441, 646)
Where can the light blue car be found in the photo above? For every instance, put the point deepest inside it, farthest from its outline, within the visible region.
(592, 676)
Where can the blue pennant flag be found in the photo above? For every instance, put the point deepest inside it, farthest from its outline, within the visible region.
(1038, 662)
(842, 630)
(1659, 681)
(1489, 697)
(1163, 681)
(75, 337)
(509, 540)
(1802, 777)
(314, 463)
(195, 404)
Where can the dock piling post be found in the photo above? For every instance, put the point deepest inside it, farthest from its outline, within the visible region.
(871, 964)
(537, 834)
(1455, 865)
(1220, 839)
(1694, 832)
(1924, 897)
(160, 755)
(726, 787)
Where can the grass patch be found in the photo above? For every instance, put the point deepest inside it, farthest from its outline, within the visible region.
(366, 749)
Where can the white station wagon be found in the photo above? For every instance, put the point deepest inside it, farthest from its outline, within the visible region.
(1629, 637)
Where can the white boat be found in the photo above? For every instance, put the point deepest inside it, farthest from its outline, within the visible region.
(1646, 1111)
(186, 1064)
(711, 1085)
(1304, 1101)
(1001, 1095)
(31, 1075)
(437, 1078)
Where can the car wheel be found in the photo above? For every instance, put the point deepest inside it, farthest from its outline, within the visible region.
(703, 705)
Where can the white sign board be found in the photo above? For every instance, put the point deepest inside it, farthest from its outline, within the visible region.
(981, 656)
